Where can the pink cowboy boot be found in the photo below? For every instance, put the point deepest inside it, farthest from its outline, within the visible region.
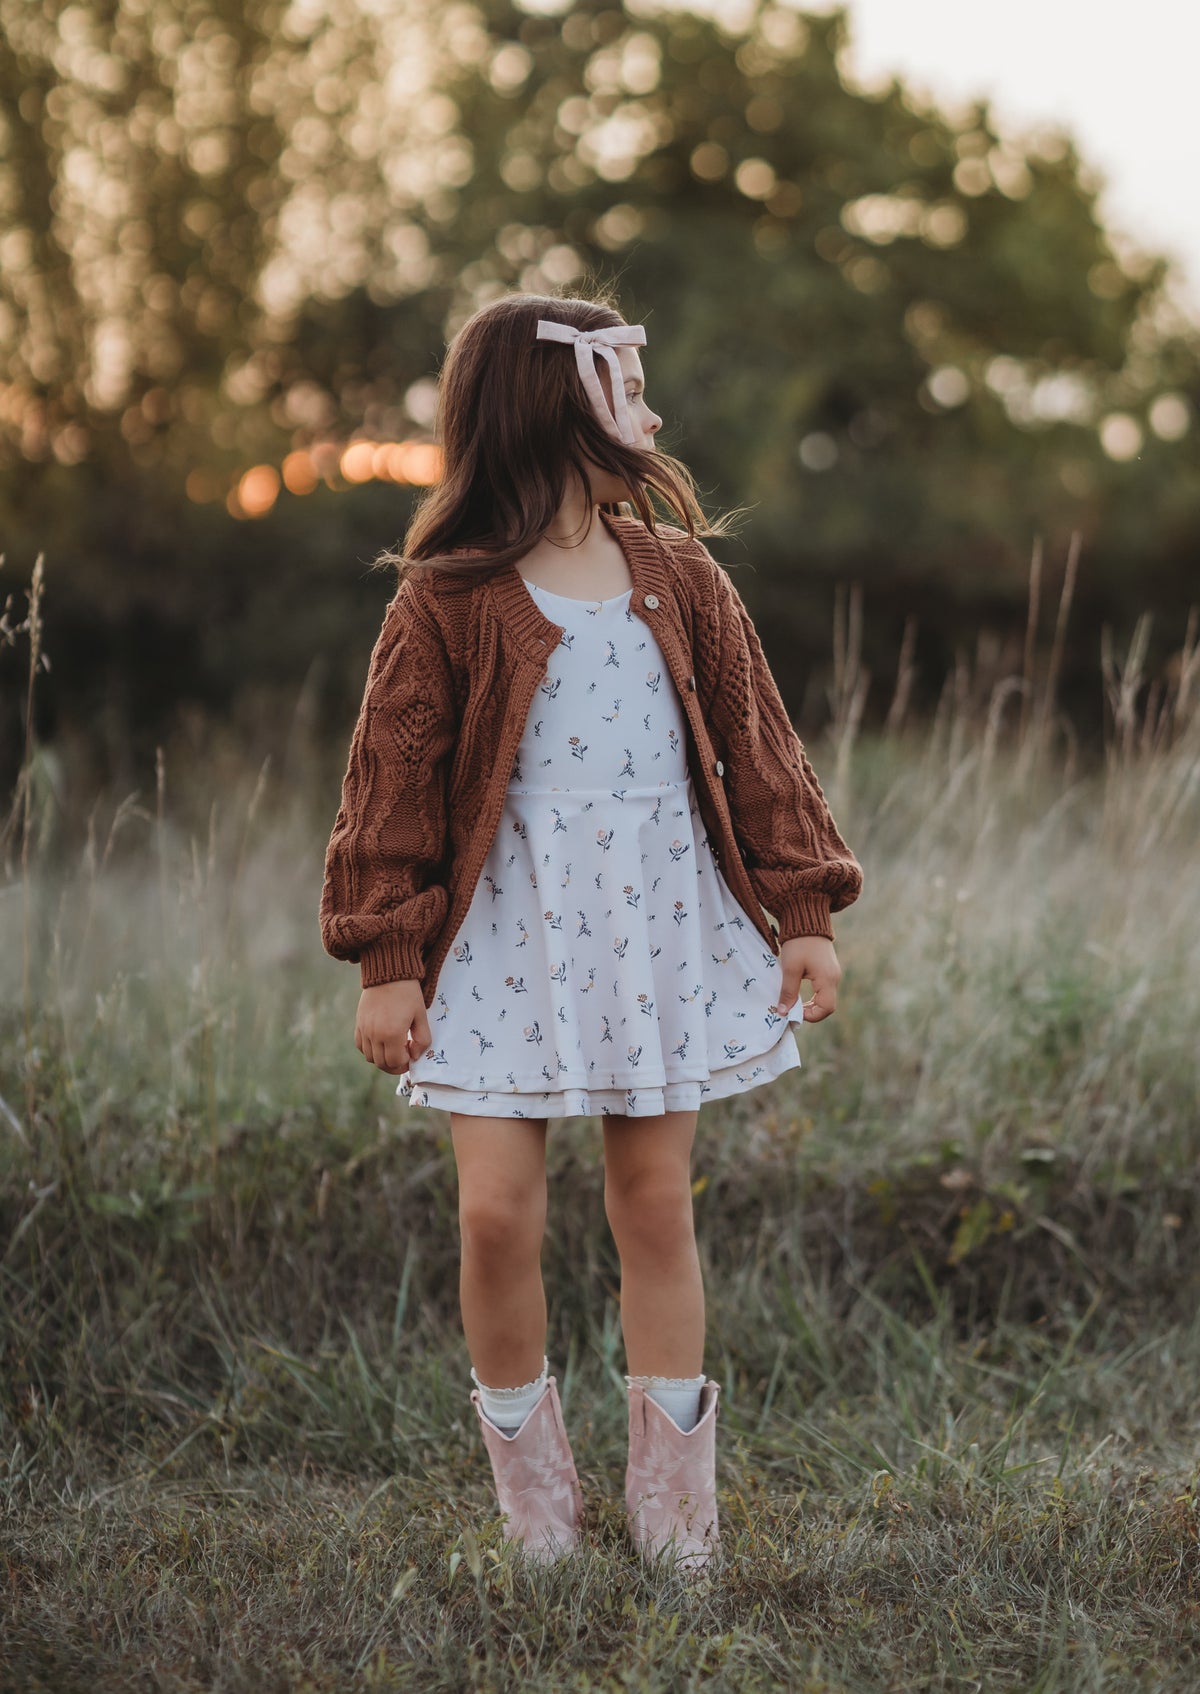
(670, 1480)
(536, 1482)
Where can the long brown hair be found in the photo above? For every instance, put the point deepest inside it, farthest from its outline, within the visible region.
(513, 420)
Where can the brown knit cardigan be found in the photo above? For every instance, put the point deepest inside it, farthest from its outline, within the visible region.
(451, 680)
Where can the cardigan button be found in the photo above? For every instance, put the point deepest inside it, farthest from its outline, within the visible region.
(719, 768)
(692, 683)
(650, 600)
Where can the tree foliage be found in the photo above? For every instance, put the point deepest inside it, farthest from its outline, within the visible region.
(230, 230)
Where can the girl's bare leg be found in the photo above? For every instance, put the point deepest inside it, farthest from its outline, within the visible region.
(502, 1219)
(648, 1201)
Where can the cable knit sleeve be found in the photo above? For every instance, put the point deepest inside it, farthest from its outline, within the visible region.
(384, 899)
(798, 864)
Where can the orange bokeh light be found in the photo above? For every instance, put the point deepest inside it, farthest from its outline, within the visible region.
(258, 490)
(358, 461)
(300, 474)
(418, 462)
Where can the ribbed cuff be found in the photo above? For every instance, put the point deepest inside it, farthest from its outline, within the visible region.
(806, 913)
(393, 958)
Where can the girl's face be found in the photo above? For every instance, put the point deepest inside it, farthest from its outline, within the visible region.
(646, 424)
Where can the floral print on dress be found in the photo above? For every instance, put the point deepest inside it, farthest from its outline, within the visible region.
(603, 966)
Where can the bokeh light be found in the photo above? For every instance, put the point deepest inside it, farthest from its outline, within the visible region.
(255, 491)
(1170, 417)
(258, 490)
(1121, 436)
(358, 461)
(300, 474)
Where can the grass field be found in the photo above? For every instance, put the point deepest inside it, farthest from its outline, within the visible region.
(951, 1263)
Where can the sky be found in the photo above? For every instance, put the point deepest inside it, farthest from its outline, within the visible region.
(1121, 81)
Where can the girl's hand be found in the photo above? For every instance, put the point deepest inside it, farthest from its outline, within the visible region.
(392, 1026)
(810, 956)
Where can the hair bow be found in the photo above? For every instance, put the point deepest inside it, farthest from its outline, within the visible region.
(588, 344)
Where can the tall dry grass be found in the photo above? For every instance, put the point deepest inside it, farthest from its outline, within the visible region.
(950, 1262)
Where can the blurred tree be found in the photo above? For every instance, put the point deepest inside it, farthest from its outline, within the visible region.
(142, 181)
(233, 230)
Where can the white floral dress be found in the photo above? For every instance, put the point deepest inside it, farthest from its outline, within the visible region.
(603, 966)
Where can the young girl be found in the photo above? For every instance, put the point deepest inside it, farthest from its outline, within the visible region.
(584, 865)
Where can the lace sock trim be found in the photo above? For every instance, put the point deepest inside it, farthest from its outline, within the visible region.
(669, 1381)
(514, 1393)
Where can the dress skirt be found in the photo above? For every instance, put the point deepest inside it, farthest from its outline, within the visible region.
(603, 968)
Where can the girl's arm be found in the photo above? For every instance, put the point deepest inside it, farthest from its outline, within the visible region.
(799, 866)
(383, 902)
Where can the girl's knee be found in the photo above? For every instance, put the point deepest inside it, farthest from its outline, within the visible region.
(651, 1211)
(501, 1184)
(503, 1223)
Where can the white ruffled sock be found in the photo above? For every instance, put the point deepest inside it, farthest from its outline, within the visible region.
(679, 1396)
(509, 1407)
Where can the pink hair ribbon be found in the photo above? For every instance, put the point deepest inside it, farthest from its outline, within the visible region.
(590, 343)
